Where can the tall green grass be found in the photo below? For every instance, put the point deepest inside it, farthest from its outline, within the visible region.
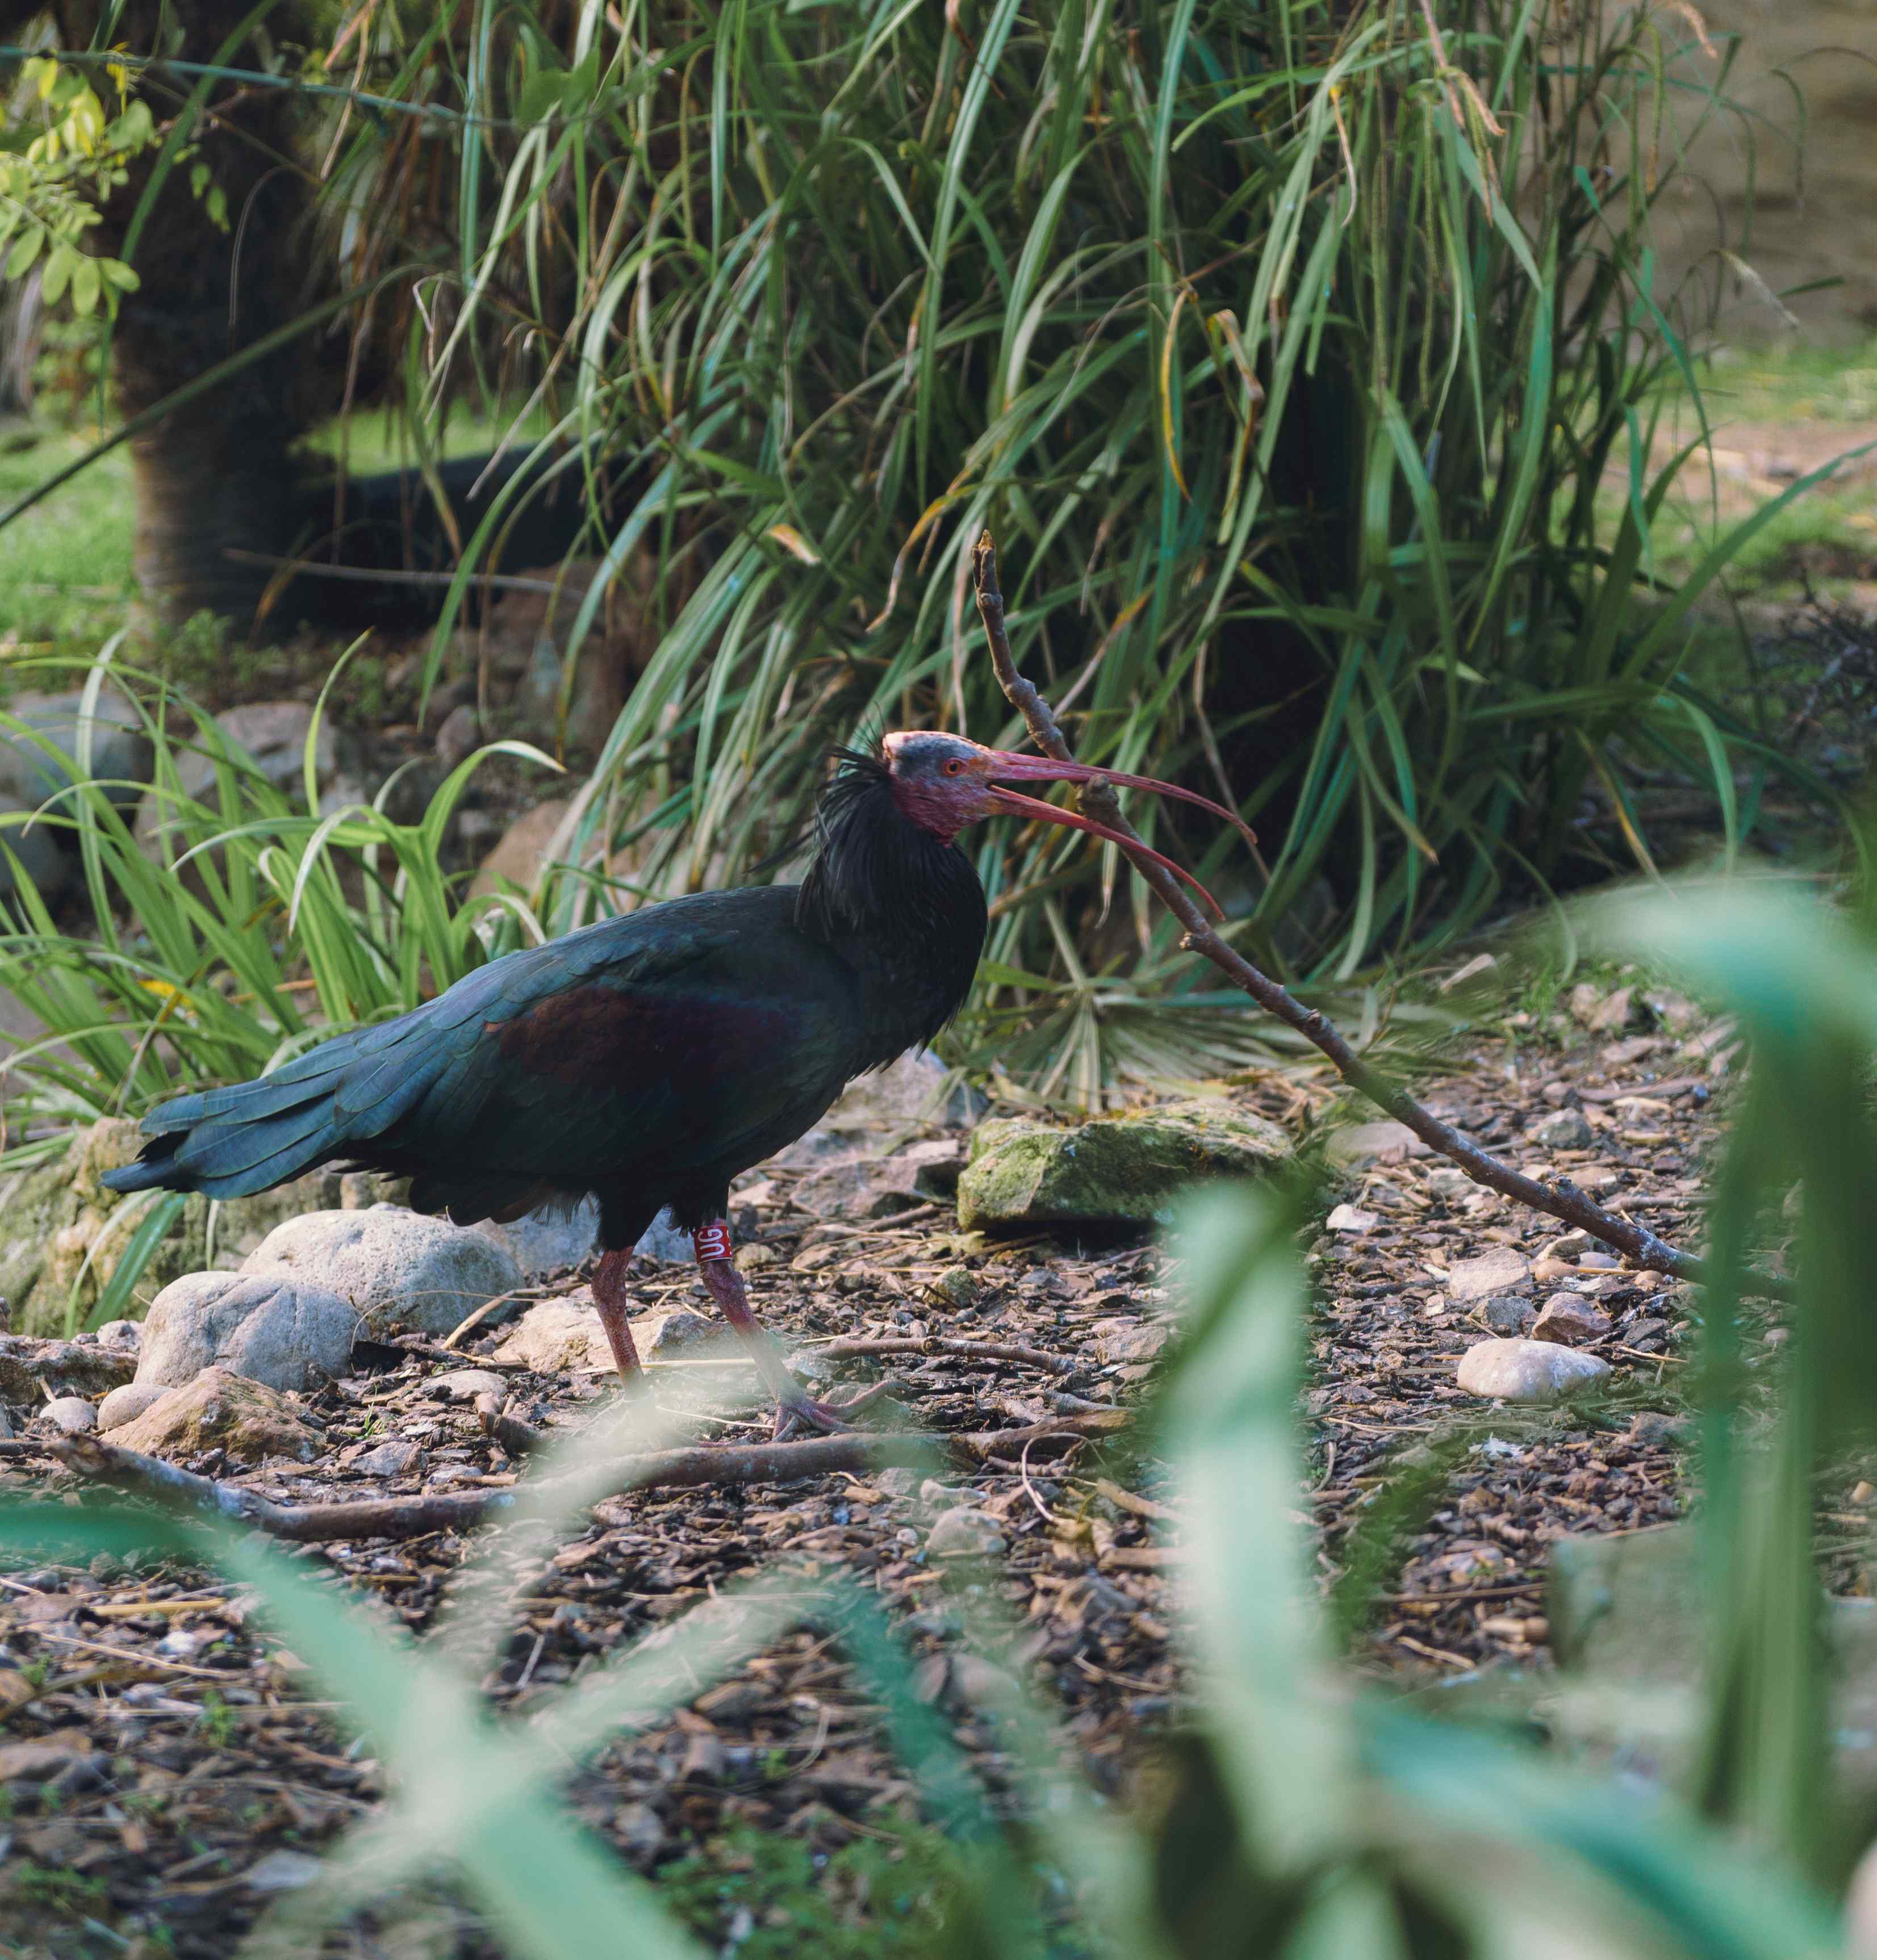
(1290, 347)
(244, 924)
(1285, 345)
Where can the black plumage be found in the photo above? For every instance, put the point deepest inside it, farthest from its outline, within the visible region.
(648, 1060)
(651, 1058)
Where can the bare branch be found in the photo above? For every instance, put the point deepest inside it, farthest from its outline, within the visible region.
(665, 1469)
(1562, 1200)
(987, 1353)
(514, 1436)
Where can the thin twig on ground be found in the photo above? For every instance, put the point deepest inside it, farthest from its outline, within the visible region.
(423, 1345)
(988, 1352)
(514, 1436)
(1562, 1200)
(489, 1310)
(391, 1518)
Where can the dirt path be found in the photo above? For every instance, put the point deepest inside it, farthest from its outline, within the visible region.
(176, 1747)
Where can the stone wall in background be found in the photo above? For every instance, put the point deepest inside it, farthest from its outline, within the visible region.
(1814, 216)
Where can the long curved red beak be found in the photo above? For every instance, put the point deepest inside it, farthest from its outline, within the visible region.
(1001, 764)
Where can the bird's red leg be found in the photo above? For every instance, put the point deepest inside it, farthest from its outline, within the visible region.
(610, 1296)
(793, 1407)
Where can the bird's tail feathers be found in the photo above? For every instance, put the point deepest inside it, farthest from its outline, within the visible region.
(233, 1142)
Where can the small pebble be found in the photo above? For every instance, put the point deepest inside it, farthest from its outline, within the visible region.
(963, 1532)
(71, 1415)
(1563, 1130)
(464, 1384)
(1506, 1313)
(282, 1871)
(1500, 1270)
(390, 1458)
(958, 1286)
(1570, 1320)
(1653, 1426)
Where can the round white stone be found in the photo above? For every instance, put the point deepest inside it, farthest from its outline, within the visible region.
(1527, 1371)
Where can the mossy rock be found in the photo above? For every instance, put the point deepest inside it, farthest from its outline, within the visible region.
(220, 1409)
(53, 1216)
(1114, 1170)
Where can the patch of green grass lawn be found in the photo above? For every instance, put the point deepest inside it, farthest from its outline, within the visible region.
(65, 577)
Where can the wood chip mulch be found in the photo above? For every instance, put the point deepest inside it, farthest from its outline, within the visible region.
(160, 1751)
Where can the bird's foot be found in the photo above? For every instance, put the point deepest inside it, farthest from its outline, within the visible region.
(799, 1413)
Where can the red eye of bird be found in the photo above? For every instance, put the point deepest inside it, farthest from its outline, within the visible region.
(954, 767)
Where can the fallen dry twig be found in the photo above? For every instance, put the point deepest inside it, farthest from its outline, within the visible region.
(391, 1518)
(514, 1436)
(1562, 1200)
(490, 1309)
(987, 1352)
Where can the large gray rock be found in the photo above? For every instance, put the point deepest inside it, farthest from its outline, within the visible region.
(552, 1241)
(50, 868)
(1527, 1371)
(277, 1327)
(666, 1242)
(400, 1271)
(910, 1091)
(56, 1215)
(272, 735)
(1115, 1169)
(41, 736)
(864, 1187)
(32, 770)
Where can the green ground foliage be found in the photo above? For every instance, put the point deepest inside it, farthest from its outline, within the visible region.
(1291, 349)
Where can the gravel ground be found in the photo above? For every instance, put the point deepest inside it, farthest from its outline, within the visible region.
(160, 1754)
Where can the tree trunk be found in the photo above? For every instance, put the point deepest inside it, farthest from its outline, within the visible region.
(209, 480)
(217, 473)
(221, 474)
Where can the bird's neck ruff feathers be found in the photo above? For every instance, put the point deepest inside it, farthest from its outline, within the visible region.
(903, 907)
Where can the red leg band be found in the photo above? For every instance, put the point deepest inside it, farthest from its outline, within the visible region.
(712, 1241)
